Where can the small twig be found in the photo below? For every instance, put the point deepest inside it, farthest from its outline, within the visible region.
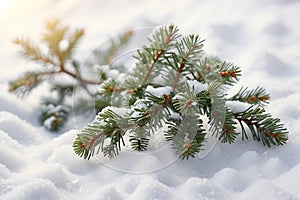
(155, 58)
(158, 53)
(90, 143)
(182, 64)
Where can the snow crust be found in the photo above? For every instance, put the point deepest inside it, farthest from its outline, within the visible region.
(260, 36)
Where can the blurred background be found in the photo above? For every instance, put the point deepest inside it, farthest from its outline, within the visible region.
(260, 36)
(241, 32)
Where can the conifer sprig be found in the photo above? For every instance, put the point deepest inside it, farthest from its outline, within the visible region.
(56, 55)
(189, 50)
(255, 96)
(228, 132)
(161, 42)
(24, 84)
(192, 86)
(172, 87)
(262, 126)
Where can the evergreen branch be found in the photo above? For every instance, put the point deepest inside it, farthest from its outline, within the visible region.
(189, 48)
(230, 73)
(254, 96)
(82, 145)
(54, 115)
(228, 132)
(73, 41)
(172, 85)
(92, 137)
(212, 68)
(139, 143)
(131, 84)
(186, 102)
(163, 100)
(56, 59)
(55, 33)
(207, 71)
(160, 43)
(262, 126)
(110, 150)
(186, 134)
(191, 149)
(157, 54)
(147, 116)
(204, 102)
(24, 84)
(109, 87)
(33, 52)
(151, 107)
(217, 111)
(78, 77)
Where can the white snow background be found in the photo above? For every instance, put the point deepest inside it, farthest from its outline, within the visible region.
(263, 37)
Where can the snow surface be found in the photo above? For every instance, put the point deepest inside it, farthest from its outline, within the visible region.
(263, 37)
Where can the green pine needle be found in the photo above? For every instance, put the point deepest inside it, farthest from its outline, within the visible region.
(167, 65)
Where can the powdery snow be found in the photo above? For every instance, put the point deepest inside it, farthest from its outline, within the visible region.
(260, 36)
(159, 91)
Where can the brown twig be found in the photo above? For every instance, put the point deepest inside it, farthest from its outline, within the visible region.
(157, 54)
(182, 64)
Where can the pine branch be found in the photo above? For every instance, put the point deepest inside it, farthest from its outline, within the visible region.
(73, 41)
(186, 134)
(186, 102)
(54, 114)
(33, 52)
(262, 126)
(206, 70)
(255, 96)
(110, 150)
(189, 48)
(160, 43)
(192, 87)
(217, 110)
(204, 102)
(173, 84)
(230, 73)
(25, 84)
(109, 87)
(212, 68)
(139, 143)
(82, 144)
(228, 132)
(108, 126)
(54, 34)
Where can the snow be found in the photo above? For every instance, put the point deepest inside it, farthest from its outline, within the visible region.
(196, 86)
(237, 106)
(159, 91)
(260, 36)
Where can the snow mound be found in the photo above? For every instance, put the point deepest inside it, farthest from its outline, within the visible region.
(19, 129)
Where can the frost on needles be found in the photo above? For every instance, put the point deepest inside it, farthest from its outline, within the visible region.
(171, 88)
